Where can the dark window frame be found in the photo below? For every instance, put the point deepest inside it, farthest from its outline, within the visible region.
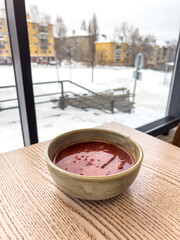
(17, 26)
(16, 18)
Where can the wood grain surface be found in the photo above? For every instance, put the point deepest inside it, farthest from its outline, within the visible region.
(33, 207)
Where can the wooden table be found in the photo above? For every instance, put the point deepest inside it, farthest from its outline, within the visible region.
(33, 207)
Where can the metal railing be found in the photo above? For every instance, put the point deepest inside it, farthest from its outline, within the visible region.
(84, 104)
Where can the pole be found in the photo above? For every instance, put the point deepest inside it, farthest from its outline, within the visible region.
(92, 71)
(137, 64)
(70, 68)
(92, 58)
(57, 66)
(70, 74)
(62, 105)
(134, 90)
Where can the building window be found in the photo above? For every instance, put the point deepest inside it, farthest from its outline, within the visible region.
(2, 46)
(49, 51)
(43, 29)
(44, 43)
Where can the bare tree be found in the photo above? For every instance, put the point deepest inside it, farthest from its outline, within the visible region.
(93, 28)
(136, 43)
(35, 14)
(147, 46)
(45, 18)
(60, 40)
(83, 25)
(172, 51)
(93, 31)
(123, 33)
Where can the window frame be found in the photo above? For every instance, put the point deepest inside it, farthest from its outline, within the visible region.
(17, 25)
(19, 42)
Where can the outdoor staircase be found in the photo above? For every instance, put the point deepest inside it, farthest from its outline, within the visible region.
(110, 101)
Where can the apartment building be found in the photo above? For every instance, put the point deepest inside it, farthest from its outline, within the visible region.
(41, 42)
(5, 50)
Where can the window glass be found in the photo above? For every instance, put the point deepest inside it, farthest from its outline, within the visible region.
(10, 127)
(123, 56)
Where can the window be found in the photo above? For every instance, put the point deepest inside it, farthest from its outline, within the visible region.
(44, 43)
(150, 97)
(43, 29)
(2, 45)
(154, 75)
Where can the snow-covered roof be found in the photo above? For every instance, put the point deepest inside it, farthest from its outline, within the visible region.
(77, 33)
(105, 40)
(160, 43)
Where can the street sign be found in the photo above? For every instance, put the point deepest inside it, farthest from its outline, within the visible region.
(137, 75)
(139, 61)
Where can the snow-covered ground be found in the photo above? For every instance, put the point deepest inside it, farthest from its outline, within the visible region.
(151, 100)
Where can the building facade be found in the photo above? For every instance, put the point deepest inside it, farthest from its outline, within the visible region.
(41, 42)
(5, 50)
(120, 54)
(105, 52)
(78, 46)
(161, 56)
(112, 53)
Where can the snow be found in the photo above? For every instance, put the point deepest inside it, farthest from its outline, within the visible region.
(151, 100)
(77, 33)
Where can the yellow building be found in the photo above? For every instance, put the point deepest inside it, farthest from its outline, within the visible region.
(161, 55)
(5, 51)
(105, 52)
(41, 41)
(123, 54)
(111, 53)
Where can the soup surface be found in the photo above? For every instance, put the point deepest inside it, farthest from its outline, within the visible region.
(94, 159)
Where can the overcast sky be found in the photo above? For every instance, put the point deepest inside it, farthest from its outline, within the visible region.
(158, 17)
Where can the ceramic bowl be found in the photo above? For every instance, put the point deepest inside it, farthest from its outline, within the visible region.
(90, 187)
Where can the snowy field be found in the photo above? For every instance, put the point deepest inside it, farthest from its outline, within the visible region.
(150, 101)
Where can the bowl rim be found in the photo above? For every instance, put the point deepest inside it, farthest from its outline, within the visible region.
(93, 178)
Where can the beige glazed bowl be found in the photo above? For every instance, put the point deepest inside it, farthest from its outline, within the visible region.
(93, 188)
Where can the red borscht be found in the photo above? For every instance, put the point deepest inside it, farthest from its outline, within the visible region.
(94, 159)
